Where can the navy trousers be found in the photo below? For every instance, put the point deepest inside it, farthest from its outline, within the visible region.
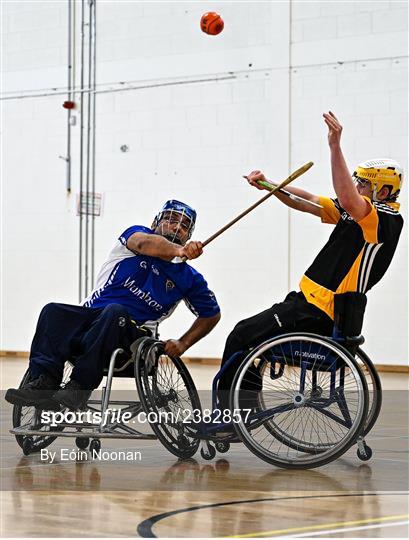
(295, 314)
(90, 335)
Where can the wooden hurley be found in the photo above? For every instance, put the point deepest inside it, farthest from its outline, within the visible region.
(292, 177)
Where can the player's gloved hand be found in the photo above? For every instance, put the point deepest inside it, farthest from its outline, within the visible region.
(175, 347)
(191, 250)
(253, 177)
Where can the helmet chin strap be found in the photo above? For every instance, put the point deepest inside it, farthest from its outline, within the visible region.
(375, 196)
(374, 193)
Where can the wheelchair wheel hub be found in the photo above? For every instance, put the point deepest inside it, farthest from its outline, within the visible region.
(298, 399)
(172, 395)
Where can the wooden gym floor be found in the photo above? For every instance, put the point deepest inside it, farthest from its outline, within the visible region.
(235, 495)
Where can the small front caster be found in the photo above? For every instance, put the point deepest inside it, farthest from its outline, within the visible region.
(364, 452)
(208, 452)
(222, 447)
(82, 442)
(27, 446)
(95, 446)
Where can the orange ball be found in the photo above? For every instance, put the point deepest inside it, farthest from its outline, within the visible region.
(211, 23)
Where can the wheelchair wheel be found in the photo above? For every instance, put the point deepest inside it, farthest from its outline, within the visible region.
(30, 417)
(166, 389)
(311, 401)
(374, 404)
(373, 382)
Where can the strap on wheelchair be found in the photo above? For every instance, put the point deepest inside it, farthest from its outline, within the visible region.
(349, 310)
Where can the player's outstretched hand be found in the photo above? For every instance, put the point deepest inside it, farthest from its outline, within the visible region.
(174, 347)
(253, 178)
(334, 129)
(191, 250)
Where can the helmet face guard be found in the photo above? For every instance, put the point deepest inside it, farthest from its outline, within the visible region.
(175, 222)
(381, 173)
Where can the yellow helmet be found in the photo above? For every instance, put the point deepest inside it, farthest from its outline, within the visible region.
(381, 173)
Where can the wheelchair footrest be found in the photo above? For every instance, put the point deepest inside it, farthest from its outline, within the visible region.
(74, 433)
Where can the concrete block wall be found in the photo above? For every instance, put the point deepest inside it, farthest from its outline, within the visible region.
(359, 71)
(189, 141)
(193, 141)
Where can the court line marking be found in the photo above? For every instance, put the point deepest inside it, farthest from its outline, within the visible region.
(145, 527)
(349, 529)
(390, 459)
(327, 526)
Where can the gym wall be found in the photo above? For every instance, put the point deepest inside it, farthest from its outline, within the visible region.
(193, 141)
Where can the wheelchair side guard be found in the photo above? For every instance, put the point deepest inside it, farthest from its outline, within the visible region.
(314, 358)
(140, 344)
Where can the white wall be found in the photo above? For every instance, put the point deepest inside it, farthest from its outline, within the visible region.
(194, 141)
(368, 92)
(191, 142)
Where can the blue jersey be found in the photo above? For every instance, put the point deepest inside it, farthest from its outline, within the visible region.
(148, 287)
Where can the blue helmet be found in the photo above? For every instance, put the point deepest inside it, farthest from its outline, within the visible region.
(175, 212)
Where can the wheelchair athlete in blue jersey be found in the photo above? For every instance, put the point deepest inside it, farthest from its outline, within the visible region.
(137, 285)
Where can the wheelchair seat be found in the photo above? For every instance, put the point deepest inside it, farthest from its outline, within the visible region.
(315, 358)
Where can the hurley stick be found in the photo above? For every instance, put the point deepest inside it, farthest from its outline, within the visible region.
(291, 196)
(292, 177)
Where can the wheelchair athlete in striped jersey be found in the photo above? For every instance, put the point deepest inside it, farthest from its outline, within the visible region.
(357, 254)
(138, 284)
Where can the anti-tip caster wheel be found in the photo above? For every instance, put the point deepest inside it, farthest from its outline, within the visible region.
(27, 446)
(364, 452)
(82, 442)
(222, 447)
(95, 446)
(208, 452)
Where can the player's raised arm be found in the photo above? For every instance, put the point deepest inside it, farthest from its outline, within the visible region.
(348, 196)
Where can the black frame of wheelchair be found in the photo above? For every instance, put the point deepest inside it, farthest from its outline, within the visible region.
(183, 439)
(33, 435)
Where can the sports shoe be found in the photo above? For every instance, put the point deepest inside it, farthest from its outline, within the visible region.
(33, 393)
(72, 395)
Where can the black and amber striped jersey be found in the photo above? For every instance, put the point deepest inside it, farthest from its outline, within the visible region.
(356, 255)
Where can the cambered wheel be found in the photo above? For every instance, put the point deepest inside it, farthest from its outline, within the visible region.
(374, 405)
(166, 389)
(30, 417)
(373, 382)
(296, 426)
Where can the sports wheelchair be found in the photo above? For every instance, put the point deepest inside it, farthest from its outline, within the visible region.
(33, 434)
(298, 400)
